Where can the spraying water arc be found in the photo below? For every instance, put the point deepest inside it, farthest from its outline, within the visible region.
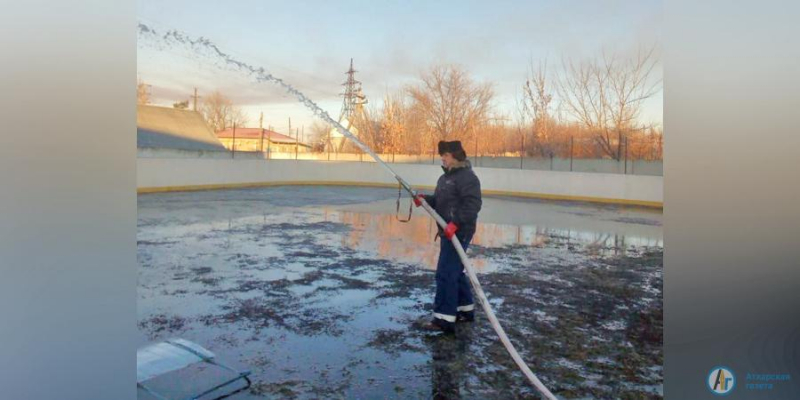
(203, 45)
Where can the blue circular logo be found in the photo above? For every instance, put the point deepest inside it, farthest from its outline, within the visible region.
(721, 380)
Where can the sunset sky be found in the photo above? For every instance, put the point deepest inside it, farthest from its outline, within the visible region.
(310, 46)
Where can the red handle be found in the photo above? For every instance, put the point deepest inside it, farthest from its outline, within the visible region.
(450, 230)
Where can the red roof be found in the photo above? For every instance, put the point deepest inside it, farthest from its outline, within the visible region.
(255, 133)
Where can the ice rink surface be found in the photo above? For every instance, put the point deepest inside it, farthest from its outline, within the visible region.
(318, 290)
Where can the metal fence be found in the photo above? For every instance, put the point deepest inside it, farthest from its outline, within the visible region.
(597, 165)
(636, 157)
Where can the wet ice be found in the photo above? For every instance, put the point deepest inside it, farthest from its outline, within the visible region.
(316, 288)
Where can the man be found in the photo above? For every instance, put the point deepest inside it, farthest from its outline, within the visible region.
(458, 200)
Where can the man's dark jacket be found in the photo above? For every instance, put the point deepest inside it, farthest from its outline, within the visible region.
(458, 197)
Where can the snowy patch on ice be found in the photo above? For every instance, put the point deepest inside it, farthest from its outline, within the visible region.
(614, 325)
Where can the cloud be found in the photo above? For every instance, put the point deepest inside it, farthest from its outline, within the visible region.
(393, 44)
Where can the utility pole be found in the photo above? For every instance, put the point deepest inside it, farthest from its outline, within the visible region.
(233, 144)
(290, 132)
(296, 142)
(261, 129)
(522, 147)
(353, 101)
(194, 98)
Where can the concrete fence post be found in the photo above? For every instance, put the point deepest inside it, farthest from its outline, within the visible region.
(626, 155)
(571, 147)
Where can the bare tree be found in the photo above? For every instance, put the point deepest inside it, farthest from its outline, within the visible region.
(392, 124)
(418, 138)
(220, 113)
(536, 100)
(452, 103)
(142, 92)
(523, 120)
(646, 145)
(365, 127)
(319, 136)
(606, 95)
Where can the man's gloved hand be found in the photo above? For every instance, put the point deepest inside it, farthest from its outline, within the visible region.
(418, 199)
(450, 230)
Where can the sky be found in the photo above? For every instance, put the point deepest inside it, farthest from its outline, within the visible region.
(310, 44)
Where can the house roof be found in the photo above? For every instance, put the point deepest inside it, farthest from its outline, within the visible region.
(255, 133)
(175, 129)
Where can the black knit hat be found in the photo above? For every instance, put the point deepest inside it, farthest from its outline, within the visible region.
(453, 148)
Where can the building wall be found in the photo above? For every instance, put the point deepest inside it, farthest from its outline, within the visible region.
(255, 145)
(165, 174)
(149, 152)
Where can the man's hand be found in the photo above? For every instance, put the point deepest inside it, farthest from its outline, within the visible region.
(450, 230)
(418, 199)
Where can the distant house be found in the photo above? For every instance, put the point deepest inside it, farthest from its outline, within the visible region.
(171, 128)
(252, 139)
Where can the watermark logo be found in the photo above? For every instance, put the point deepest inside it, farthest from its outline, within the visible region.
(721, 380)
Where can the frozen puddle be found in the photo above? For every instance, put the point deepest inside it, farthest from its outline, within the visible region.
(316, 290)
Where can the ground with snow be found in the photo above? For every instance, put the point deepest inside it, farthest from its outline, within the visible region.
(318, 291)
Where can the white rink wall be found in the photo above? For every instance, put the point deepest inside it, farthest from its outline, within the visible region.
(182, 173)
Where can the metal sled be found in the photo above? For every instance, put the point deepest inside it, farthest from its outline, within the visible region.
(172, 355)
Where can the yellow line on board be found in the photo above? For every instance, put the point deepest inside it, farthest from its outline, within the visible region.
(588, 199)
(545, 196)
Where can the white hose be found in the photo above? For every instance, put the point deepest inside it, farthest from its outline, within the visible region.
(473, 278)
(261, 75)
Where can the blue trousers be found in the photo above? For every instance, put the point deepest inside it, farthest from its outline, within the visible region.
(453, 292)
